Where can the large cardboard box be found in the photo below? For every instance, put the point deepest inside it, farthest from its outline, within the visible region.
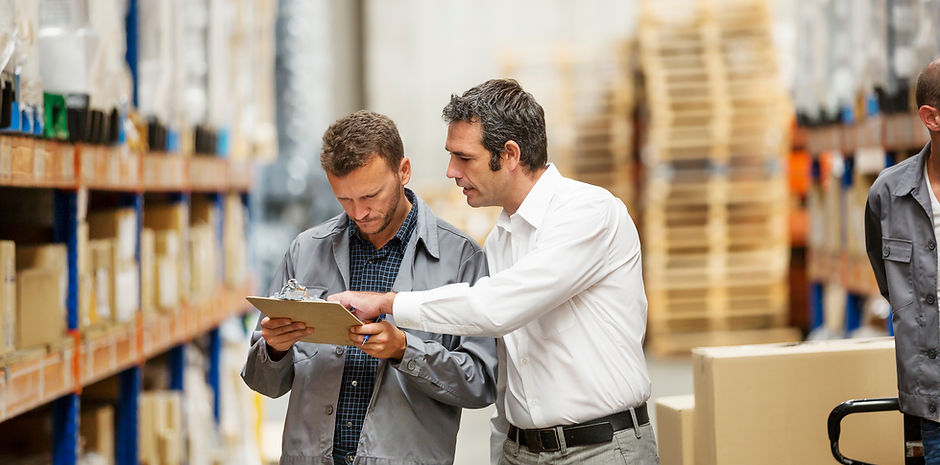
(7, 296)
(675, 430)
(770, 403)
(41, 287)
(97, 431)
(120, 225)
(40, 307)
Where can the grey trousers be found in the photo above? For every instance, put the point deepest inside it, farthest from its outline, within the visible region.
(625, 449)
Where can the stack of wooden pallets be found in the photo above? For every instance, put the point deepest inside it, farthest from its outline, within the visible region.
(587, 93)
(716, 245)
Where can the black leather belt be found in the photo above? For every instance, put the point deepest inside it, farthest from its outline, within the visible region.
(594, 431)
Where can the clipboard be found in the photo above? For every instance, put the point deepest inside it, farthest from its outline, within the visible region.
(330, 320)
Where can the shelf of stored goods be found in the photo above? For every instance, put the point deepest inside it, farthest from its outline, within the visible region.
(56, 373)
(839, 263)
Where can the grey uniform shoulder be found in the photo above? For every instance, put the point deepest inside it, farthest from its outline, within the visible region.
(891, 176)
(450, 234)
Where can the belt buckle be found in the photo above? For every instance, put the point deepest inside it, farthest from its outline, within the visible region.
(547, 439)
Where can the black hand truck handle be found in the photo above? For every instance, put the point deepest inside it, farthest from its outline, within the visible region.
(848, 408)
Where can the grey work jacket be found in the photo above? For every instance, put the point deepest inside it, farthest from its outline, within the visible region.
(902, 248)
(415, 408)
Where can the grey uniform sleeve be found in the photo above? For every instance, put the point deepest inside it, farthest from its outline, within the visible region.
(873, 239)
(466, 375)
(272, 378)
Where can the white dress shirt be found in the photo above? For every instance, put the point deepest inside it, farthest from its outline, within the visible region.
(566, 295)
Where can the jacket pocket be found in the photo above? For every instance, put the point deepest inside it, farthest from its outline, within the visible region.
(896, 254)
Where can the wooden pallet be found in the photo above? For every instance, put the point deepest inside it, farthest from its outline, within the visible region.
(718, 307)
(683, 343)
(714, 268)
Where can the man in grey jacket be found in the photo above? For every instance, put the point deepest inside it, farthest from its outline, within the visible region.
(396, 398)
(902, 230)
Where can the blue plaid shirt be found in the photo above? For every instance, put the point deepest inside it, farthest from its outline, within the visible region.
(375, 271)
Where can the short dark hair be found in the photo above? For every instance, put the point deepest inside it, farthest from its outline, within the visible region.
(927, 91)
(353, 140)
(506, 112)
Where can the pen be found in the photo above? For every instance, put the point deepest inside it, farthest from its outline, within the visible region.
(380, 318)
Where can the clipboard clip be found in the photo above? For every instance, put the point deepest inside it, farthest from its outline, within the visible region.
(293, 290)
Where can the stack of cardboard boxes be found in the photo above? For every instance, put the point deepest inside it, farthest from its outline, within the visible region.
(161, 428)
(168, 225)
(108, 271)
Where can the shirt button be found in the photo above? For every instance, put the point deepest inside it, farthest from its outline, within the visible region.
(525, 361)
(533, 402)
(931, 299)
(931, 245)
(412, 365)
(349, 424)
(350, 458)
(339, 351)
(329, 409)
(355, 383)
(932, 408)
(932, 353)
(885, 251)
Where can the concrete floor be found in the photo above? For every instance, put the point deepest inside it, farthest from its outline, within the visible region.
(671, 376)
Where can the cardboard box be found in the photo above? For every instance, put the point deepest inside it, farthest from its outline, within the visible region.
(126, 291)
(755, 404)
(173, 216)
(148, 279)
(167, 282)
(120, 225)
(102, 252)
(202, 261)
(675, 431)
(40, 307)
(7, 296)
(97, 431)
(167, 243)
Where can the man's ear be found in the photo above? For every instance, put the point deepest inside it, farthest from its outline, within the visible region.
(404, 170)
(511, 154)
(930, 116)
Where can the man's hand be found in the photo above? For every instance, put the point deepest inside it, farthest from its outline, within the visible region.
(385, 340)
(280, 334)
(367, 306)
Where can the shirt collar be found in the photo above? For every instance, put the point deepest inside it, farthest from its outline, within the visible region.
(535, 204)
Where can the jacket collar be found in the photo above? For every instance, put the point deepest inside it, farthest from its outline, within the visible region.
(913, 175)
(425, 229)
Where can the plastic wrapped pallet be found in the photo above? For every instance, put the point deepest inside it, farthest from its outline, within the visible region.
(67, 47)
(26, 60)
(112, 83)
(155, 59)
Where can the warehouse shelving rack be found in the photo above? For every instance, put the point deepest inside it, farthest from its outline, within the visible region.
(30, 379)
(863, 146)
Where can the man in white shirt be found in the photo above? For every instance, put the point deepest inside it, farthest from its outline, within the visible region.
(565, 293)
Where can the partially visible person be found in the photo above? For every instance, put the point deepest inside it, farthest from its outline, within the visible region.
(566, 292)
(396, 398)
(902, 230)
